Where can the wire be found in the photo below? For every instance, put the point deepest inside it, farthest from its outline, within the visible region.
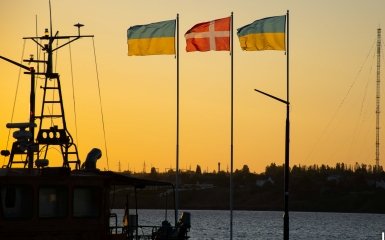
(100, 102)
(361, 117)
(340, 105)
(55, 82)
(73, 95)
(14, 101)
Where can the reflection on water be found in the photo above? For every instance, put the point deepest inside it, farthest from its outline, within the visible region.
(210, 224)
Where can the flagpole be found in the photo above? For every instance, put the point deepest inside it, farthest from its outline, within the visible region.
(232, 129)
(287, 141)
(177, 121)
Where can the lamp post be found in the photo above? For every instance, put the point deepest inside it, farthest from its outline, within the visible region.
(287, 162)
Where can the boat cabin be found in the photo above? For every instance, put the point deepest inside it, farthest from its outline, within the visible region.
(56, 203)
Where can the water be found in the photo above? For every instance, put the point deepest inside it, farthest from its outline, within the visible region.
(210, 224)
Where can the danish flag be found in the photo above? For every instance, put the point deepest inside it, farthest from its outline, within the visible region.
(209, 36)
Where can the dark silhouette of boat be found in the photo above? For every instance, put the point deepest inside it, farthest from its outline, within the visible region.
(71, 201)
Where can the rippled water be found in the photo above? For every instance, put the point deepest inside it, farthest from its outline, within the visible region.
(210, 224)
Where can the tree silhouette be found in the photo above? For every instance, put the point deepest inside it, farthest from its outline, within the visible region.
(198, 170)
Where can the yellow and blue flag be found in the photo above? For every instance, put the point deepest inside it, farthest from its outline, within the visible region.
(152, 39)
(264, 34)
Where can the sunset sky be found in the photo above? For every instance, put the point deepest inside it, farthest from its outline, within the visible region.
(332, 76)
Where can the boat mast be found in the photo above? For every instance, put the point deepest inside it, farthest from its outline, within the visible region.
(55, 132)
(51, 133)
(378, 94)
(24, 139)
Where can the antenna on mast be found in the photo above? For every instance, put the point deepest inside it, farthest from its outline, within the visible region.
(79, 25)
(50, 18)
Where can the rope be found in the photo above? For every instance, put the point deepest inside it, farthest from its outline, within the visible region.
(14, 100)
(100, 102)
(73, 95)
(340, 105)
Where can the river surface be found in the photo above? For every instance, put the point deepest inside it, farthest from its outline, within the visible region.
(213, 224)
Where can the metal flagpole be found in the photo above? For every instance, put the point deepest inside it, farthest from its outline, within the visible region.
(287, 137)
(287, 141)
(232, 128)
(177, 121)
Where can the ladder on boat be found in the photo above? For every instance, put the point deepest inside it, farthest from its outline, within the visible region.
(54, 132)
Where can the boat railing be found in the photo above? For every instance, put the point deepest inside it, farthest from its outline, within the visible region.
(130, 230)
(131, 233)
(145, 232)
(114, 227)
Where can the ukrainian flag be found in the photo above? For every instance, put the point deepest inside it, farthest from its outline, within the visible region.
(152, 39)
(263, 34)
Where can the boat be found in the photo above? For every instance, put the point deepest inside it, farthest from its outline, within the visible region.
(75, 199)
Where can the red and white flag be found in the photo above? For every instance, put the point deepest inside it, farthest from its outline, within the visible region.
(207, 36)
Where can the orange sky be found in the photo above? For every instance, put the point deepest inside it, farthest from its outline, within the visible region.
(332, 47)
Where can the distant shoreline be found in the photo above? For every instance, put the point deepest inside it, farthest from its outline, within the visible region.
(217, 199)
(339, 189)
